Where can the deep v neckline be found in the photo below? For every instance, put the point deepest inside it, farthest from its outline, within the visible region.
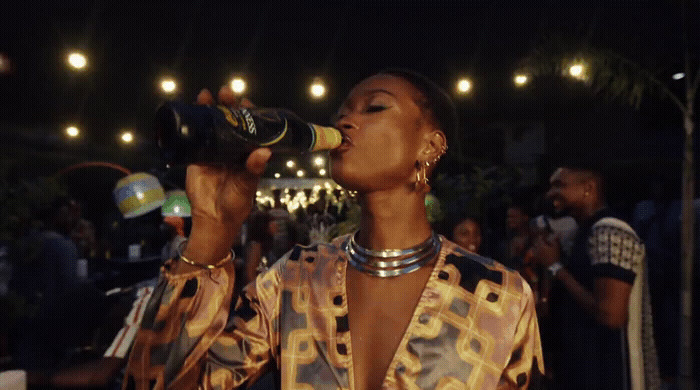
(424, 295)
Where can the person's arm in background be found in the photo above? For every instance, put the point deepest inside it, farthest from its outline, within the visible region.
(607, 303)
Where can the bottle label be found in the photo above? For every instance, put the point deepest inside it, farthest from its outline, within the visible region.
(249, 121)
(228, 115)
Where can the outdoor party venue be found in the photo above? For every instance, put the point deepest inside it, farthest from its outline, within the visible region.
(567, 113)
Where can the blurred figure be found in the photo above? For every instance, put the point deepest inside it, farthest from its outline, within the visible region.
(174, 229)
(262, 228)
(518, 224)
(467, 233)
(84, 236)
(63, 300)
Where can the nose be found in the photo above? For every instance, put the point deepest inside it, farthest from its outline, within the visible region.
(344, 123)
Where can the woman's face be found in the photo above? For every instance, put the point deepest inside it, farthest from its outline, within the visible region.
(516, 218)
(384, 132)
(468, 235)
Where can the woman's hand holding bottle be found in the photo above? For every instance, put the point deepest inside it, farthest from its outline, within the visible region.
(221, 197)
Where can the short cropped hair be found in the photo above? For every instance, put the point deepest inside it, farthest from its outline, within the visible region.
(435, 101)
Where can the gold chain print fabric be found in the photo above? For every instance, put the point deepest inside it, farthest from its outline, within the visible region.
(474, 327)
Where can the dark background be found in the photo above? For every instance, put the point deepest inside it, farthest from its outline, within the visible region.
(280, 46)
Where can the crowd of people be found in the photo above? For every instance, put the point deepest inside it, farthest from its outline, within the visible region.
(369, 293)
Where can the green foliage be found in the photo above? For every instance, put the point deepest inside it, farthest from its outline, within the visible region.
(20, 200)
(608, 73)
(473, 194)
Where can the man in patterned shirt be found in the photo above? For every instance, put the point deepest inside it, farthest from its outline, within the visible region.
(599, 300)
(351, 314)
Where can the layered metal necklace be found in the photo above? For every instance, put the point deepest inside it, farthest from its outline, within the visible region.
(391, 262)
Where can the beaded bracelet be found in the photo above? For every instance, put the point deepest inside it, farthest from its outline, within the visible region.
(207, 266)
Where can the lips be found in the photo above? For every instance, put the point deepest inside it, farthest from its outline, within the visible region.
(345, 145)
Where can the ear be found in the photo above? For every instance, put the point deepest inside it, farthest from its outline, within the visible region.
(434, 146)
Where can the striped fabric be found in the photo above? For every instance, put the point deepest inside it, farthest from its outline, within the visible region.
(122, 342)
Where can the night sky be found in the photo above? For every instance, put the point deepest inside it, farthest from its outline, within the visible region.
(280, 46)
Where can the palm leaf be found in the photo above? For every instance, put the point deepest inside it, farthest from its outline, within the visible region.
(606, 72)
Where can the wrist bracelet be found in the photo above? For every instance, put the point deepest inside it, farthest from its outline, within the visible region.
(221, 262)
(555, 268)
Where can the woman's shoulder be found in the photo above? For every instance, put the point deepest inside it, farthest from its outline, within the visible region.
(474, 268)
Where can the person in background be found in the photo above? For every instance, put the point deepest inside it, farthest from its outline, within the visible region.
(518, 217)
(262, 228)
(467, 233)
(174, 229)
(341, 315)
(601, 318)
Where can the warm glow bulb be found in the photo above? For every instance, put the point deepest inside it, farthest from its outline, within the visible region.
(300, 173)
(291, 164)
(127, 137)
(464, 85)
(77, 60)
(72, 131)
(319, 161)
(576, 70)
(238, 85)
(277, 175)
(168, 85)
(318, 90)
(520, 79)
(322, 172)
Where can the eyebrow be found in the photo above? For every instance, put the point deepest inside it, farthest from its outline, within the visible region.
(368, 92)
(378, 90)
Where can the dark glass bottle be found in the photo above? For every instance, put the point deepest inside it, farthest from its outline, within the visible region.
(189, 133)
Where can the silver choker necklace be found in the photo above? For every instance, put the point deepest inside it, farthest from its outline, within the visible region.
(402, 261)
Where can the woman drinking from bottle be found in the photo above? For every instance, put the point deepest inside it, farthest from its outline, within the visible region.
(393, 305)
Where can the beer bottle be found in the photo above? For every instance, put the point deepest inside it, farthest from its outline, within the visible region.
(189, 133)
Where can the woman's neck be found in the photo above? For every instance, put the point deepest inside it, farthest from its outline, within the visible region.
(393, 219)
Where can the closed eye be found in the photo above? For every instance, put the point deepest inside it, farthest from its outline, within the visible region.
(375, 108)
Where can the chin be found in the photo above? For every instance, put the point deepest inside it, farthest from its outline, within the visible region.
(347, 181)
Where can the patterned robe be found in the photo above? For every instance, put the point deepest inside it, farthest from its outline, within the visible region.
(474, 327)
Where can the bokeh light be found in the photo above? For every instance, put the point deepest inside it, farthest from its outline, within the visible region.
(577, 71)
(464, 85)
(127, 137)
(317, 89)
(238, 85)
(168, 85)
(319, 161)
(520, 79)
(291, 164)
(678, 76)
(300, 173)
(72, 131)
(77, 60)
